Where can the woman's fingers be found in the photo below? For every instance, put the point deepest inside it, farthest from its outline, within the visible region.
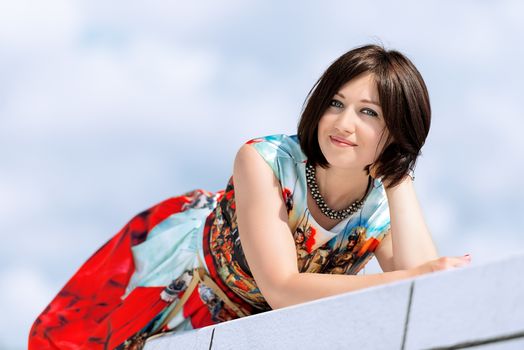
(456, 261)
(444, 263)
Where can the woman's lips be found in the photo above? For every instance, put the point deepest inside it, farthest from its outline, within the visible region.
(341, 142)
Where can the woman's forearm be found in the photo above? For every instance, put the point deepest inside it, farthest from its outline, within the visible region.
(303, 287)
(411, 240)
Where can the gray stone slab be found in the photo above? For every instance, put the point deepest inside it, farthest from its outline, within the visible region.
(372, 318)
(468, 304)
(369, 319)
(197, 339)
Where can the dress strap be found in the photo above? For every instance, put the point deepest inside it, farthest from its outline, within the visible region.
(208, 281)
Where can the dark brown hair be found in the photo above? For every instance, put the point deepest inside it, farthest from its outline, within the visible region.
(403, 97)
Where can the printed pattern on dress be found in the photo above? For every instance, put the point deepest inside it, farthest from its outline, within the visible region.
(318, 250)
(229, 258)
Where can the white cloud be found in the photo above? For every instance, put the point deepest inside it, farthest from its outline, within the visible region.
(35, 26)
(18, 197)
(179, 19)
(440, 214)
(86, 90)
(485, 244)
(493, 119)
(24, 295)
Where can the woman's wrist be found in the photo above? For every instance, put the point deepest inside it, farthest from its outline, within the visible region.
(409, 176)
(406, 181)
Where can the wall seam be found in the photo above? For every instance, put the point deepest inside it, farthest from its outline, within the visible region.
(212, 336)
(469, 344)
(408, 312)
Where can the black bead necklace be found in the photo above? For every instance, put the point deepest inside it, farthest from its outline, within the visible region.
(321, 203)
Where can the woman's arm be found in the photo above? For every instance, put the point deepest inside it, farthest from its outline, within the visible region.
(411, 242)
(268, 242)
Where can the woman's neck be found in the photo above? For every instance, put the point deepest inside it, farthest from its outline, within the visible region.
(341, 187)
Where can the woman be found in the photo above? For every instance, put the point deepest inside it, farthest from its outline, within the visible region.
(298, 220)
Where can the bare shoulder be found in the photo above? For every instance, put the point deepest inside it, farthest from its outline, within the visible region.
(257, 190)
(247, 154)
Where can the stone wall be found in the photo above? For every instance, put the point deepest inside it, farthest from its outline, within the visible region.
(477, 307)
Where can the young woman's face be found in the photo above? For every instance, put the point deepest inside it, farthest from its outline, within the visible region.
(349, 132)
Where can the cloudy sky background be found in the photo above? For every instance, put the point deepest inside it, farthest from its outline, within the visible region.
(107, 108)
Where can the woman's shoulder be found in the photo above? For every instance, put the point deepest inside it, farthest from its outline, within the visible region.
(279, 146)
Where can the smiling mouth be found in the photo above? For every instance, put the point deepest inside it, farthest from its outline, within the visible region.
(340, 142)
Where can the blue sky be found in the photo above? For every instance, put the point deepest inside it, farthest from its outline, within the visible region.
(107, 108)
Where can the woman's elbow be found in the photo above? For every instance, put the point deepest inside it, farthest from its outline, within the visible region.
(277, 294)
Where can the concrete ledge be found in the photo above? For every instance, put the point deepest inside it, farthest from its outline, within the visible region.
(476, 307)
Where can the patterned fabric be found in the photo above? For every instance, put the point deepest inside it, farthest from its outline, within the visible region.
(113, 301)
(345, 249)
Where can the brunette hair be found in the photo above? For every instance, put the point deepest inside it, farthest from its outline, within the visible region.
(403, 97)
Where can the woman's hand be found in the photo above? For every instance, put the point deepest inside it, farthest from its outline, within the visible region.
(442, 263)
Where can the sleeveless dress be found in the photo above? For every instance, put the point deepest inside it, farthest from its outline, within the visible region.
(179, 265)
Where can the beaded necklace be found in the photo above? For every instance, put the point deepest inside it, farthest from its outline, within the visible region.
(321, 203)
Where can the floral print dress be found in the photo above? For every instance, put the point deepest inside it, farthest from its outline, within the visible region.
(180, 265)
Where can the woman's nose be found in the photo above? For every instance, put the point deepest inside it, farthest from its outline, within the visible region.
(346, 121)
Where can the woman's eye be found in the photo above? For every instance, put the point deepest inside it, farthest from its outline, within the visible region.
(336, 104)
(370, 112)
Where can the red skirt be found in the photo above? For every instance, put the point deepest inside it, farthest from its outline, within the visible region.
(91, 312)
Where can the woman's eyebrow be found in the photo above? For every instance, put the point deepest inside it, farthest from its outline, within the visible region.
(372, 102)
(365, 101)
